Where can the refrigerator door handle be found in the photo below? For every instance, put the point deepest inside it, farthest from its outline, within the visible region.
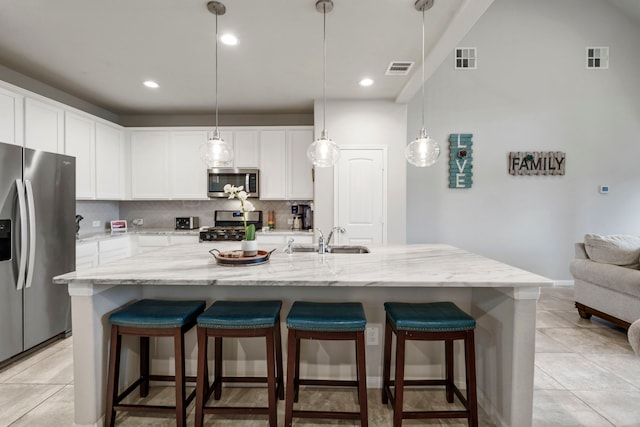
(23, 234)
(32, 233)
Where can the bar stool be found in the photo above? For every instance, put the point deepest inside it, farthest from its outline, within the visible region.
(239, 319)
(151, 318)
(442, 321)
(325, 321)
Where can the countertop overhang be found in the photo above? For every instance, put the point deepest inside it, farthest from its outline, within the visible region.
(419, 265)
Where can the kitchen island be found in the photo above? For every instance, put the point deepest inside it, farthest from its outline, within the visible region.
(500, 297)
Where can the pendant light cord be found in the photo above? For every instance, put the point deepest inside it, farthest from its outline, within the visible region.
(324, 67)
(216, 73)
(423, 83)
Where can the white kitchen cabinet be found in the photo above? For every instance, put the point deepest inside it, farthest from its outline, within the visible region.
(43, 126)
(187, 171)
(280, 239)
(11, 117)
(109, 160)
(150, 165)
(245, 148)
(181, 240)
(299, 169)
(80, 142)
(273, 149)
(86, 255)
(114, 249)
(148, 243)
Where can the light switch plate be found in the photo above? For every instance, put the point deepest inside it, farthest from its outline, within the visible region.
(604, 189)
(95, 224)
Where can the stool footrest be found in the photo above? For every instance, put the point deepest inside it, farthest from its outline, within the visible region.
(170, 378)
(328, 415)
(231, 410)
(257, 380)
(152, 408)
(329, 383)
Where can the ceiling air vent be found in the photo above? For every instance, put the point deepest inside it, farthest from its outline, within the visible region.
(399, 68)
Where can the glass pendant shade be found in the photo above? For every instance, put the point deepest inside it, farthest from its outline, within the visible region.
(216, 152)
(323, 152)
(422, 151)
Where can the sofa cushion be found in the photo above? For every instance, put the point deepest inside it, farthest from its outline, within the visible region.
(616, 249)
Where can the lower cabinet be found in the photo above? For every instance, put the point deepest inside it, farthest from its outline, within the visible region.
(114, 249)
(86, 255)
(283, 238)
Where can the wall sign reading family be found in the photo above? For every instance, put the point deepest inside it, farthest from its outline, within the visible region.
(460, 157)
(536, 162)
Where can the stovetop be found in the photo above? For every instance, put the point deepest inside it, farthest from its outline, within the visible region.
(209, 234)
(229, 225)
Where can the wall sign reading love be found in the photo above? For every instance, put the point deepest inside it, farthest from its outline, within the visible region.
(460, 157)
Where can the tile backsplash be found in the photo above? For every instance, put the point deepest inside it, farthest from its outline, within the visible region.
(162, 213)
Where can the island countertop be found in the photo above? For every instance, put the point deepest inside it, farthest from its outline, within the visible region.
(419, 265)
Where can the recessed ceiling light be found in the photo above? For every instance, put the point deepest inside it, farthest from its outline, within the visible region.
(366, 82)
(229, 39)
(151, 84)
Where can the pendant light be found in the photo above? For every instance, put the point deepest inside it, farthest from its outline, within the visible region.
(216, 152)
(423, 151)
(324, 152)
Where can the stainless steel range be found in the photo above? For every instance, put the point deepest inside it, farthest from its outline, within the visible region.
(229, 225)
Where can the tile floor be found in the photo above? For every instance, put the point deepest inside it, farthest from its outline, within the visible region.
(585, 375)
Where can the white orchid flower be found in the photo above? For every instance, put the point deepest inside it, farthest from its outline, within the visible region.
(242, 195)
(248, 206)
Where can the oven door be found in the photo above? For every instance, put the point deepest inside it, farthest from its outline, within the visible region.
(247, 178)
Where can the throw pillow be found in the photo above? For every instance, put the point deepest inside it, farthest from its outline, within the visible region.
(617, 249)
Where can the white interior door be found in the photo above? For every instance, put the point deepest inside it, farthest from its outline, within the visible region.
(360, 195)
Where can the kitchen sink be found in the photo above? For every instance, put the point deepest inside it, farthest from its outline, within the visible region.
(347, 249)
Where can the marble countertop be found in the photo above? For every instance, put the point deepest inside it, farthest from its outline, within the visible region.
(424, 265)
(101, 235)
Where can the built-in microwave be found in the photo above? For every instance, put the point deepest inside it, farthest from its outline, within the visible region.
(219, 177)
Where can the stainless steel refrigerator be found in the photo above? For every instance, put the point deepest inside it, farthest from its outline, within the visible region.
(37, 242)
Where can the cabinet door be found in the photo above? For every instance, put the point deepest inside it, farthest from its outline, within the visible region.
(245, 147)
(299, 169)
(80, 142)
(150, 165)
(188, 171)
(11, 107)
(44, 124)
(109, 162)
(272, 164)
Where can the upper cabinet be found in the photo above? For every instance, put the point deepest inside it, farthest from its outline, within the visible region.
(188, 173)
(11, 117)
(80, 142)
(109, 162)
(285, 172)
(43, 126)
(245, 148)
(150, 164)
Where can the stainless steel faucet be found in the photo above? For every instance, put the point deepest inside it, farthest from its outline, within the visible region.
(322, 247)
(338, 229)
(287, 249)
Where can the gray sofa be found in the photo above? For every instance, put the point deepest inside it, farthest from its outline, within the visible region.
(607, 278)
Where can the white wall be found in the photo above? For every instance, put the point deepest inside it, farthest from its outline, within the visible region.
(531, 92)
(378, 123)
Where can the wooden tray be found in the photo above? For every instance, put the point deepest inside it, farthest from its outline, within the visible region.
(235, 258)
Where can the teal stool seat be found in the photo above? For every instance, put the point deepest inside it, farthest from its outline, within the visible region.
(149, 313)
(151, 318)
(326, 316)
(433, 321)
(428, 317)
(239, 319)
(325, 321)
(240, 314)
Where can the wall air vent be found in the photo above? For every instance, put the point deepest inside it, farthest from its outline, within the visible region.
(465, 58)
(399, 68)
(597, 57)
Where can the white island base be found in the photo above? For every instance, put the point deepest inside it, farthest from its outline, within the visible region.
(501, 298)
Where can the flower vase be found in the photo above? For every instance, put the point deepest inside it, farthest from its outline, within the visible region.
(249, 247)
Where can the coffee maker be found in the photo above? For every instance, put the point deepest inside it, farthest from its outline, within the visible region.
(302, 217)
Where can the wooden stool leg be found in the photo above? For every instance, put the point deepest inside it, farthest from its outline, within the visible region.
(202, 377)
(386, 364)
(448, 364)
(470, 359)
(181, 408)
(113, 375)
(217, 368)
(296, 377)
(362, 378)
(292, 348)
(399, 389)
(278, 345)
(271, 380)
(144, 366)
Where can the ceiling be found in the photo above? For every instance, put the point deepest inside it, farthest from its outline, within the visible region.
(102, 51)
